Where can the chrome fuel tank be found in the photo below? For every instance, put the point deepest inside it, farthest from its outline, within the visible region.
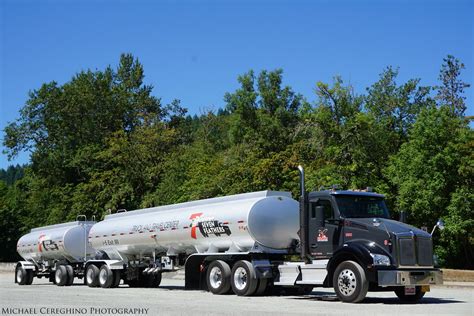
(57, 242)
(232, 223)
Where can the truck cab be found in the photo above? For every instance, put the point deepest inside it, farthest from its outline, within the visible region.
(362, 248)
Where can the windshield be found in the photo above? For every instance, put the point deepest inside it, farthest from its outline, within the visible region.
(361, 206)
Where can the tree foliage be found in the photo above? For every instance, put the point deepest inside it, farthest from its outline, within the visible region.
(103, 141)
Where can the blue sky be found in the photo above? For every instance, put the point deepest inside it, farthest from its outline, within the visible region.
(194, 50)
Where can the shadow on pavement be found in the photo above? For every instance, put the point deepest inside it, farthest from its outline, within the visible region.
(379, 300)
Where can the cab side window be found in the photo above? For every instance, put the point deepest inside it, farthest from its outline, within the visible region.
(328, 212)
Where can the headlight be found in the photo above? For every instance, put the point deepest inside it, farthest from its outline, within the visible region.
(380, 260)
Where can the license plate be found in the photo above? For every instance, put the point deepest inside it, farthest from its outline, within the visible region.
(410, 290)
(425, 288)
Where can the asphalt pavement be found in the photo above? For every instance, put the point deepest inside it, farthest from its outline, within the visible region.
(44, 298)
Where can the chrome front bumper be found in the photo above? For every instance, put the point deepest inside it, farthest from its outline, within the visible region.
(409, 277)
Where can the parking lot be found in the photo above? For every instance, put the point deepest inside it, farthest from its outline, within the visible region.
(44, 298)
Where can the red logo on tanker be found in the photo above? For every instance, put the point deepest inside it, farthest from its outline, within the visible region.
(207, 226)
(46, 244)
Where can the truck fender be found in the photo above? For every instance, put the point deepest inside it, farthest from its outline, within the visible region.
(112, 264)
(27, 265)
(358, 251)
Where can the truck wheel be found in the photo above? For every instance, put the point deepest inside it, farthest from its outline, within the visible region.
(243, 280)
(21, 276)
(60, 276)
(106, 276)
(156, 280)
(262, 286)
(349, 282)
(117, 278)
(70, 275)
(30, 276)
(218, 277)
(92, 276)
(400, 292)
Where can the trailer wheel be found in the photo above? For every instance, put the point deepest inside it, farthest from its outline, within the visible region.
(349, 282)
(70, 275)
(156, 280)
(400, 292)
(92, 276)
(60, 276)
(243, 280)
(117, 278)
(30, 276)
(21, 276)
(218, 277)
(106, 276)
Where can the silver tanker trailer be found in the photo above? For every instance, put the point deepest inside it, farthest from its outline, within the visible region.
(253, 242)
(207, 234)
(57, 252)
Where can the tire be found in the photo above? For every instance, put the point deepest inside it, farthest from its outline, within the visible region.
(155, 280)
(262, 286)
(218, 277)
(70, 275)
(350, 282)
(92, 276)
(30, 276)
(400, 292)
(60, 276)
(243, 279)
(117, 278)
(21, 275)
(106, 277)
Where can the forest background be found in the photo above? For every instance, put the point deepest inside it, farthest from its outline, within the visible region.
(103, 141)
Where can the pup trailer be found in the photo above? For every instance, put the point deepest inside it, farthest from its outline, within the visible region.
(255, 243)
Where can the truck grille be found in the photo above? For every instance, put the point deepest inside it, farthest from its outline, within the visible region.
(407, 252)
(415, 251)
(425, 251)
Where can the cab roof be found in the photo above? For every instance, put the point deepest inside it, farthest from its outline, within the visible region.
(317, 194)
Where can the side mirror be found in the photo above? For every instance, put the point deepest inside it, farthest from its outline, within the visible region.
(439, 224)
(320, 216)
(403, 217)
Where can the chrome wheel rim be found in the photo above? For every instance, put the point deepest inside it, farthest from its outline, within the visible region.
(240, 278)
(103, 276)
(347, 282)
(90, 276)
(58, 275)
(215, 277)
(19, 275)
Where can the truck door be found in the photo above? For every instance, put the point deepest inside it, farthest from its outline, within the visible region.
(323, 240)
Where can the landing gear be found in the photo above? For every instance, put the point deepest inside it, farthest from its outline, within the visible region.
(349, 282)
(147, 281)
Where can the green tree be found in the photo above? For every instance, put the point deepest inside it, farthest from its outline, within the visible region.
(433, 173)
(451, 92)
